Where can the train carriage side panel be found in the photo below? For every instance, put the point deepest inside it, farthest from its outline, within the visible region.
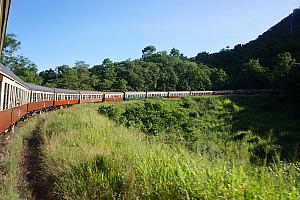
(134, 95)
(87, 96)
(14, 97)
(18, 112)
(5, 120)
(178, 94)
(113, 96)
(40, 97)
(40, 105)
(65, 102)
(66, 97)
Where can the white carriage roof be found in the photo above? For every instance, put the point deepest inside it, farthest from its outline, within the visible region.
(67, 91)
(112, 92)
(90, 92)
(6, 72)
(39, 88)
(179, 91)
(135, 92)
(159, 92)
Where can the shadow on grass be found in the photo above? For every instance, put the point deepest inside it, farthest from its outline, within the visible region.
(275, 124)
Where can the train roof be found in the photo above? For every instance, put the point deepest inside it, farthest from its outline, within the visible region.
(112, 93)
(65, 91)
(158, 92)
(39, 88)
(141, 92)
(90, 92)
(179, 91)
(6, 72)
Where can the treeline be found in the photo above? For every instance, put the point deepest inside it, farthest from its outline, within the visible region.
(157, 71)
(154, 71)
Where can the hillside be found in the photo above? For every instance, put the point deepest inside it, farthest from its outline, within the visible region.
(283, 37)
(221, 148)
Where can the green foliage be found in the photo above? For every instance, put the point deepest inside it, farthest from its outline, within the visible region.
(218, 78)
(18, 64)
(89, 157)
(154, 71)
(282, 68)
(270, 49)
(148, 50)
(253, 75)
(206, 121)
(12, 160)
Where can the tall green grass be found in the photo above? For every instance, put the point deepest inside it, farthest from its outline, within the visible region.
(10, 185)
(87, 156)
(217, 125)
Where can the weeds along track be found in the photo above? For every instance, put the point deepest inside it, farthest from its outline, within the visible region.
(32, 170)
(5, 140)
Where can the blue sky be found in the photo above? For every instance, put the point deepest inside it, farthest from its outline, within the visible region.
(56, 32)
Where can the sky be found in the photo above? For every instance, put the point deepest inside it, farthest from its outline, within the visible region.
(57, 32)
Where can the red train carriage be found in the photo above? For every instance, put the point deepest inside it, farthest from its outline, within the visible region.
(66, 97)
(14, 97)
(113, 96)
(91, 96)
(40, 97)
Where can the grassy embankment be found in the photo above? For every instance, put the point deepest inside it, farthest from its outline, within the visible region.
(200, 148)
(10, 183)
(89, 156)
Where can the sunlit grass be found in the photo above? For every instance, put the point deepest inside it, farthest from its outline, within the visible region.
(9, 187)
(90, 157)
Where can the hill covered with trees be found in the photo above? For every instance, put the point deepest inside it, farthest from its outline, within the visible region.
(257, 63)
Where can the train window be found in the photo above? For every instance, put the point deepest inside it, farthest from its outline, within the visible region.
(5, 96)
(8, 95)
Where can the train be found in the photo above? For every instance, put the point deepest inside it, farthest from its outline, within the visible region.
(19, 99)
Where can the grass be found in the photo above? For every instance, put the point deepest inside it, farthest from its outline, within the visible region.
(9, 187)
(217, 125)
(87, 156)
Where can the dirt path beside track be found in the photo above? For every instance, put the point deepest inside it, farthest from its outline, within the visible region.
(32, 174)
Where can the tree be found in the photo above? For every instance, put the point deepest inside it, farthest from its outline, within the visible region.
(85, 79)
(10, 47)
(121, 85)
(253, 75)
(148, 50)
(19, 65)
(293, 81)
(67, 77)
(174, 52)
(218, 78)
(282, 68)
(25, 69)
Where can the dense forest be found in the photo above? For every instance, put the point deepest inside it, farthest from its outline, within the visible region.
(270, 61)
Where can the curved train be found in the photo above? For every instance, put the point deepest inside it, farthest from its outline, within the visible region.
(19, 99)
